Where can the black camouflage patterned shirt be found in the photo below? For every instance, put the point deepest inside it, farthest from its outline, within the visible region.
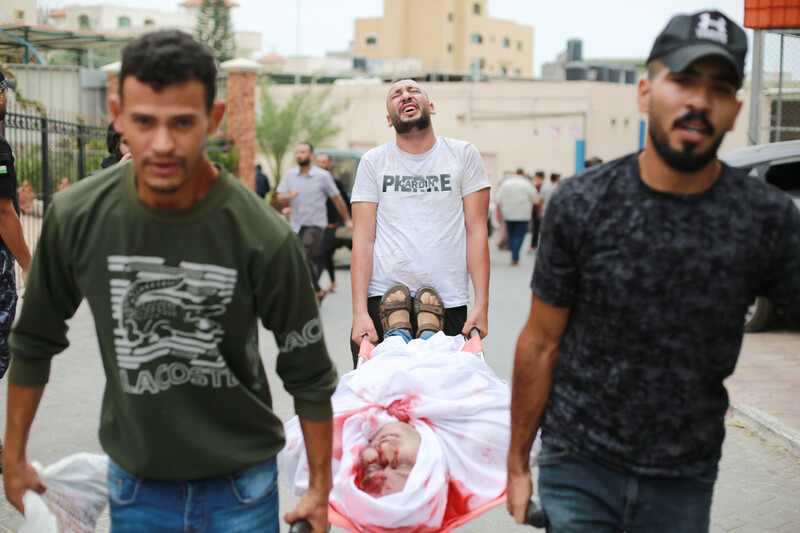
(658, 285)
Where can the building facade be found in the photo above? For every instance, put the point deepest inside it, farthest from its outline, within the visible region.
(448, 36)
(131, 20)
(18, 11)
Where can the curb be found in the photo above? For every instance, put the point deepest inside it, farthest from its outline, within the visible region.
(768, 427)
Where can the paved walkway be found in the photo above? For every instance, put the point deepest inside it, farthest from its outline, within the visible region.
(765, 388)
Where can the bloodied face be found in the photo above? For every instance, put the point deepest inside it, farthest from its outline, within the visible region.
(386, 462)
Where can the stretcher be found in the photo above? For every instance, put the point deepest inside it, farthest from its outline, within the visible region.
(535, 514)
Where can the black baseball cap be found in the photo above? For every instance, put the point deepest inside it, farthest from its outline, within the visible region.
(687, 38)
(6, 83)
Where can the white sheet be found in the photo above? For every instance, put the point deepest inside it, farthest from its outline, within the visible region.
(455, 402)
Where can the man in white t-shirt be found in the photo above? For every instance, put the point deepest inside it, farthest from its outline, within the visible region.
(306, 189)
(419, 213)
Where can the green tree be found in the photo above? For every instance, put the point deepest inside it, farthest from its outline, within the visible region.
(304, 117)
(215, 29)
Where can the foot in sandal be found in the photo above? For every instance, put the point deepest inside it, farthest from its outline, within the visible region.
(395, 308)
(429, 309)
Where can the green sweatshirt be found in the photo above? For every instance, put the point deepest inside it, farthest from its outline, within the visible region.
(176, 297)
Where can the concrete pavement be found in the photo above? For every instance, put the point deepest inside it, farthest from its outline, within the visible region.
(759, 483)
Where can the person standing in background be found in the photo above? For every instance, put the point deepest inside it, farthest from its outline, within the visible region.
(516, 196)
(536, 220)
(305, 188)
(12, 241)
(327, 246)
(262, 182)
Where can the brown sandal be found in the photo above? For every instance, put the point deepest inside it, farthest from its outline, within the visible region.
(386, 308)
(436, 309)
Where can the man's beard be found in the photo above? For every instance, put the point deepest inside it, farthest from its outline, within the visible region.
(685, 160)
(421, 122)
(304, 162)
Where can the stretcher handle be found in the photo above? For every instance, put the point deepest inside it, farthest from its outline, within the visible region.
(364, 350)
(474, 331)
(301, 526)
(534, 513)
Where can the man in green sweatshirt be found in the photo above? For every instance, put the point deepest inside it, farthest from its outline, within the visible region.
(178, 261)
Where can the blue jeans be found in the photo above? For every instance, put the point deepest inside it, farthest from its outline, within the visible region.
(516, 230)
(582, 495)
(244, 501)
(406, 335)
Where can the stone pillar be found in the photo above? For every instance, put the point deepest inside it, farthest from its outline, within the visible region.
(242, 114)
(112, 77)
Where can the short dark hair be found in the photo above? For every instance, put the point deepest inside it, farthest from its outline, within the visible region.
(540, 173)
(112, 141)
(310, 146)
(168, 57)
(555, 176)
(592, 161)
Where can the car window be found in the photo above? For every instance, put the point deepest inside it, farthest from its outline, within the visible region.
(344, 169)
(786, 177)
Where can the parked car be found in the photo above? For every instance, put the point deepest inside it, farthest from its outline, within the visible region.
(345, 164)
(778, 164)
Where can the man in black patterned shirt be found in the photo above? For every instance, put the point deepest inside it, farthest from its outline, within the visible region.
(645, 270)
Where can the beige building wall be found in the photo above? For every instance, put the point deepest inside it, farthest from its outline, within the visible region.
(442, 34)
(18, 11)
(533, 125)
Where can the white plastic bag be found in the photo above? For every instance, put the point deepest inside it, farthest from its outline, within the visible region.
(77, 492)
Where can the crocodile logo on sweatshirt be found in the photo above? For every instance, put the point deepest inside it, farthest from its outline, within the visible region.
(166, 334)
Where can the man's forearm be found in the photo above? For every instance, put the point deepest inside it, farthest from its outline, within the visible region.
(361, 272)
(534, 361)
(318, 437)
(282, 199)
(478, 264)
(338, 202)
(476, 209)
(22, 404)
(364, 224)
(11, 233)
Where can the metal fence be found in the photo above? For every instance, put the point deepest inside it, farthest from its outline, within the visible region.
(775, 86)
(50, 152)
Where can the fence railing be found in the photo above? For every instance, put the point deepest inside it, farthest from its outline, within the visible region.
(775, 86)
(49, 152)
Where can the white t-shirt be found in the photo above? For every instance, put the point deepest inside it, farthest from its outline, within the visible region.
(420, 234)
(516, 197)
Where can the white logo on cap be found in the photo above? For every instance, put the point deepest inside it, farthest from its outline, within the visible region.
(713, 30)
